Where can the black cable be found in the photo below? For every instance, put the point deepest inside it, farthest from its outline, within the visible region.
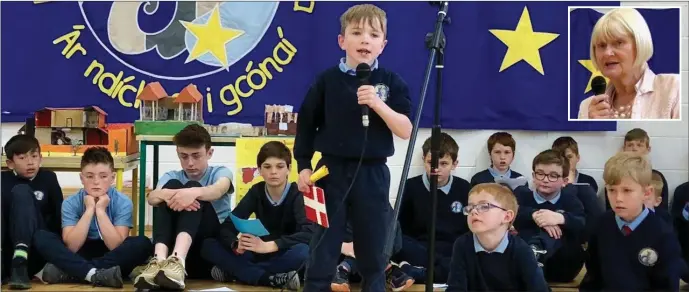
(342, 204)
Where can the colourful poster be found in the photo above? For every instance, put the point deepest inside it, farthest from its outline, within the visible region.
(246, 172)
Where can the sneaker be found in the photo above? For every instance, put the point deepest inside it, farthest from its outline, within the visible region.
(538, 253)
(289, 281)
(171, 274)
(19, 279)
(53, 275)
(414, 272)
(146, 278)
(341, 280)
(219, 275)
(111, 277)
(397, 279)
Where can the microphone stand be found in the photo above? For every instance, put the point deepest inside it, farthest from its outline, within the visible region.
(436, 42)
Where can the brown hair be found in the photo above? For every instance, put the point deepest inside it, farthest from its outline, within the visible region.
(503, 138)
(657, 183)
(448, 146)
(97, 155)
(627, 164)
(275, 149)
(637, 134)
(566, 142)
(364, 12)
(193, 136)
(551, 156)
(502, 194)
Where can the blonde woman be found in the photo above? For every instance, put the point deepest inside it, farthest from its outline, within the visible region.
(621, 46)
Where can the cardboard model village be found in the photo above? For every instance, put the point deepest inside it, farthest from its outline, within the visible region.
(70, 131)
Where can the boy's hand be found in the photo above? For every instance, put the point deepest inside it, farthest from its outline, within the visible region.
(256, 244)
(367, 95)
(304, 182)
(599, 107)
(348, 249)
(183, 199)
(554, 231)
(102, 202)
(89, 202)
(546, 217)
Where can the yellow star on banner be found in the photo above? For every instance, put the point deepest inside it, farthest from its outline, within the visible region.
(588, 64)
(211, 37)
(523, 43)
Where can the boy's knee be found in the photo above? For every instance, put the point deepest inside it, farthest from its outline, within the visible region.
(173, 184)
(141, 243)
(192, 184)
(46, 238)
(300, 250)
(22, 192)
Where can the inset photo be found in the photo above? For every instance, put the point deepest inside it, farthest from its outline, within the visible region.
(624, 63)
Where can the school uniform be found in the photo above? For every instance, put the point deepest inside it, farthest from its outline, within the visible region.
(589, 200)
(664, 194)
(414, 219)
(200, 224)
(642, 255)
(565, 256)
(583, 178)
(490, 175)
(680, 219)
(510, 267)
(330, 122)
(286, 222)
(94, 254)
(28, 205)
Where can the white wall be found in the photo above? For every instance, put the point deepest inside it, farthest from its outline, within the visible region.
(669, 142)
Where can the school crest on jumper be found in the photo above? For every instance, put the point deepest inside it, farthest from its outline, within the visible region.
(382, 91)
(648, 256)
(560, 211)
(39, 195)
(456, 207)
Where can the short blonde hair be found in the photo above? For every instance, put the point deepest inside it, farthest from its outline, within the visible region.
(630, 165)
(620, 22)
(366, 12)
(502, 194)
(657, 183)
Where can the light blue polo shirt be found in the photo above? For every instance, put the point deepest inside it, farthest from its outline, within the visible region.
(119, 211)
(211, 176)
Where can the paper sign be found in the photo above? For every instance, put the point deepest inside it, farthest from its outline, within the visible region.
(249, 226)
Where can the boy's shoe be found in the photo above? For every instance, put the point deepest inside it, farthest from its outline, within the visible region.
(397, 279)
(538, 253)
(53, 275)
(111, 277)
(19, 279)
(341, 280)
(219, 275)
(171, 274)
(413, 271)
(289, 281)
(146, 279)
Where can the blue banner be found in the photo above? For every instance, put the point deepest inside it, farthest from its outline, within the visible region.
(664, 25)
(505, 62)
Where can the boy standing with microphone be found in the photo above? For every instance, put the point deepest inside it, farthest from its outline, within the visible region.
(330, 121)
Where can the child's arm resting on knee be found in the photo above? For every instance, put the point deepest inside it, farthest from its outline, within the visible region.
(221, 184)
(75, 228)
(457, 277)
(396, 114)
(310, 118)
(574, 216)
(116, 231)
(531, 274)
(161, 195)
(227, 235)
(304, 231)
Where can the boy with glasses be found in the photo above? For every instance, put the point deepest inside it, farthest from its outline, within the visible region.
(552, 222)
(489, 258)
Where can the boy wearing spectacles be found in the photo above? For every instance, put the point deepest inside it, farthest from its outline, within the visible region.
(95, 246)
(490, 258)
(551, 221)
(632, 249)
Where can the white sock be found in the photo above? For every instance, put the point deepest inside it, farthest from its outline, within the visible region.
(90, 274)
(39, 275)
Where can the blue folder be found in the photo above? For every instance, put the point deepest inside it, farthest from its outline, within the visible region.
(249, 226)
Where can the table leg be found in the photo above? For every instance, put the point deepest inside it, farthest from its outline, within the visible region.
(156, 163)
(135, 201)
(119, 180)
(142, 188)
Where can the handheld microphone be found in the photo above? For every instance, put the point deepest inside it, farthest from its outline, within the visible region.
(598, 85)
(363, 72)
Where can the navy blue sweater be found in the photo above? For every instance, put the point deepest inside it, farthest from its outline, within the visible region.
(663, 205)
(330, 117)
(569, 205)
(49, 200)
(587, 179)
(614, 261)
(415, 210)
(588, 198)
(485, 177)
(513, 270)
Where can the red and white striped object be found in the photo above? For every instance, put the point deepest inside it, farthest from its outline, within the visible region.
(314, 206)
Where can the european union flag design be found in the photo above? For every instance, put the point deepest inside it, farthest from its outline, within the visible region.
(664, 25)
(505, 62)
